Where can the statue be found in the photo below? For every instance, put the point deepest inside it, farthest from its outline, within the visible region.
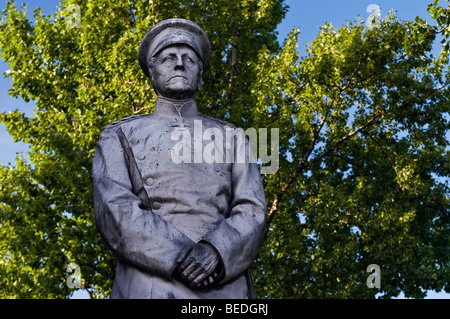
(184, 221)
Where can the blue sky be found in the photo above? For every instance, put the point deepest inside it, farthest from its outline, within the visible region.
(305, 15)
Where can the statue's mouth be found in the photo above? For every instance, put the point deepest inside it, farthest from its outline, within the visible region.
(178, 76)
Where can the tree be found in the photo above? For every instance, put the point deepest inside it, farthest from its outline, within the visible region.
(364, 165)
(362, 120)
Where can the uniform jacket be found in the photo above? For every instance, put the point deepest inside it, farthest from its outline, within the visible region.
(148, 206)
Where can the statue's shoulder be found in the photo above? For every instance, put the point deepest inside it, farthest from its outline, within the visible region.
(126, 120)
(216, 120)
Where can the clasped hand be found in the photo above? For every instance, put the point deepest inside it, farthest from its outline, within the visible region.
(197, 265)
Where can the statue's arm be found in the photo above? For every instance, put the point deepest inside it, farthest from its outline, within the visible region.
(134, 234)
(238, 237)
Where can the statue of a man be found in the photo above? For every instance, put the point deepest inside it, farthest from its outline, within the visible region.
(182, 224)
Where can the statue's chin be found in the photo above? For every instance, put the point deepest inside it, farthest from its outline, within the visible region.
(179, 92)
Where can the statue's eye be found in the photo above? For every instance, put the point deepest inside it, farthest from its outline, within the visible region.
(188, 59)
(168, 58)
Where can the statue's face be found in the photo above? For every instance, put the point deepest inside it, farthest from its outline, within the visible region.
(176, 72)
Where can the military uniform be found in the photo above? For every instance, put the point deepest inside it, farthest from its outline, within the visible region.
(148, 207)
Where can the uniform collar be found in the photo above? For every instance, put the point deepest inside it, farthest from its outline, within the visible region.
(170, 107)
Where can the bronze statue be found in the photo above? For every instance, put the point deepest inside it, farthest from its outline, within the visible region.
(185, 218)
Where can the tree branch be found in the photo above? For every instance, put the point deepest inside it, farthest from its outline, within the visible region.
(346, 137)
(89, 293)
(301, 165)
(304, 161)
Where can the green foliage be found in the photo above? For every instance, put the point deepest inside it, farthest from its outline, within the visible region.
(363, 163)
(363, 119)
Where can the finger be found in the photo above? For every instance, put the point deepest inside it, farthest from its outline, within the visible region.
(201, 274)
(202, 284)
(206, 278)
(190, 271)
(198, 280)
(205, 283)
(194, 274)
(184, 268)
(209, 280)
(189, 261)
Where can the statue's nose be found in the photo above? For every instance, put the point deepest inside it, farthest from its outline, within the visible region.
(179, 65)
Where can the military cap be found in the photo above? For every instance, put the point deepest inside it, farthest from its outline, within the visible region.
(173, 31)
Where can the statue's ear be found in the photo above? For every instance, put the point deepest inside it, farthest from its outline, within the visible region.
(150, 66)
(151, 73)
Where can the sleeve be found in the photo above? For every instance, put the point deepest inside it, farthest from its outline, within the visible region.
(238, 237)
(135, 235)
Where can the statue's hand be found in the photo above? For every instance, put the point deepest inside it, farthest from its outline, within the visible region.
(198, 265)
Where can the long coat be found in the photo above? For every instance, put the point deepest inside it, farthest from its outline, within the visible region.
(152, 198)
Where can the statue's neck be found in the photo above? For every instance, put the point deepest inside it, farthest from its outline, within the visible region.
(171, 107)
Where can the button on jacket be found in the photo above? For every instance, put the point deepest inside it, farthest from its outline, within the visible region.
(148, 206)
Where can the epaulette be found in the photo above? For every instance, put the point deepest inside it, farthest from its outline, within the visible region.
(125, 120)
(219, 121)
